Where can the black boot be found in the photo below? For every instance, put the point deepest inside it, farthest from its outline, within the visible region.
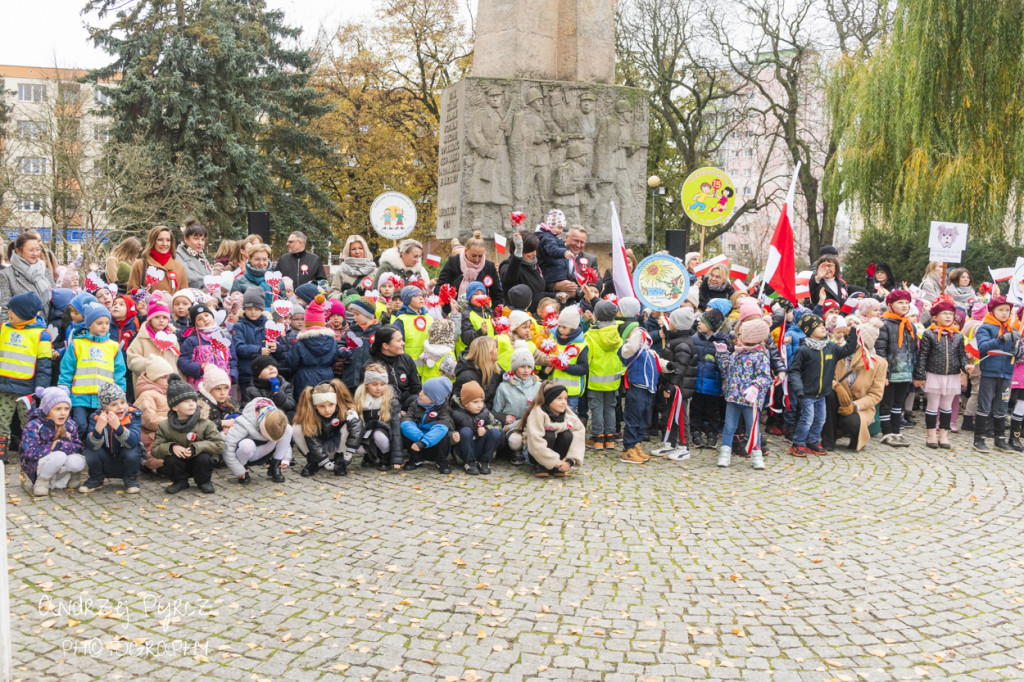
(309, 470)
(274, 470)
(1015, 429)
(980, 423)
(968, 424)
(999, 429)
(340, 467)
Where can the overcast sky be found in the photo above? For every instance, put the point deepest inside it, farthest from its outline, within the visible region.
(44, 32)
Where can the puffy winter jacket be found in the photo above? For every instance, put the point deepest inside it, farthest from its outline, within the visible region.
(940, 354)
(193, 370)
(901, 358)
(709, 378)
(39, 438)
(461, 419)
(811, 371)
(681, 352)
(999, 366)
(127, 435)
(248, 338)
(357, 358)
(247, 425)
(402, 376)
(466, 371)
(329, 437)
(371, 421)
(284, 397)
(514, 398)
(551, 258)
(152, 401)
(312, 356)
(426, 424)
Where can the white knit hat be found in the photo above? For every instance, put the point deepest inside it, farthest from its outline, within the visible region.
(569, 317)
(517, 318)
(521, 356)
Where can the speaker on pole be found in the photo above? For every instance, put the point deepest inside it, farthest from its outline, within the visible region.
(676, 242)
(259, 224)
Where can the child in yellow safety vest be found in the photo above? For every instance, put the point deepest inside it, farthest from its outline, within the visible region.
(25, 361)
(605, 374)
(413, 322)
(476, 320)
(91, 360)
(569, 364)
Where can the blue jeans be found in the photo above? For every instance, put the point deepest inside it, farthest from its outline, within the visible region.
(474, 448)
(103, 465)
(81, 416)
(811, 421)
(733, 412)
(602, 412)
(636, 414)
(574, 404)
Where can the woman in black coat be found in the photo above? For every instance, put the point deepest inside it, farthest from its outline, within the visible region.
(521, 268)
(473, 256)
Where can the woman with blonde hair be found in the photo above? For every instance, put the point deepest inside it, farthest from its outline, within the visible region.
(714, 285)
(479, 363)
(159, 254)
(471, 265)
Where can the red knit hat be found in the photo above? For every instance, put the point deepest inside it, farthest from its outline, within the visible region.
(897, 295)
(316, 313)
(996, 302)
(942, 306)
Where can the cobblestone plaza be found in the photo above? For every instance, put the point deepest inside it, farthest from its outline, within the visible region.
(878, 565)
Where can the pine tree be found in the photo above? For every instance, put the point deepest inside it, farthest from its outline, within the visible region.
(933, 121)
(211, 84)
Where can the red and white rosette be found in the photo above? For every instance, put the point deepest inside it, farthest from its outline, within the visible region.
(420, 323)
(154, 275)
(93, 282)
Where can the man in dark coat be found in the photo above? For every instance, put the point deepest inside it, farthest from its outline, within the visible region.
(299, 265)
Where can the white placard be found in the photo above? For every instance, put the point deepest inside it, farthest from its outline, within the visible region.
(947, 241)
(393, 215)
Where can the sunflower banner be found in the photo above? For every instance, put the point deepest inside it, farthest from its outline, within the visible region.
(661, 282)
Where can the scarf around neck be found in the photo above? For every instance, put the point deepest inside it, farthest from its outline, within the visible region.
(198, 255)
(33, 277)
(953, 330)
(357, 267)
(1003, 326)
(904, 324)
(816, 344)
(469, 271)
(182, 426)
(161, 258)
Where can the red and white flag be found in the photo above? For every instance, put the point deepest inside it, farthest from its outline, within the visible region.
(738, 272)
(802, 291)
(500, 243)
(739, 285)
(433, 259)
(850, 305)
(1001, 274)
(803, 277)
(780, 271)
(705, 267)
(621, 276)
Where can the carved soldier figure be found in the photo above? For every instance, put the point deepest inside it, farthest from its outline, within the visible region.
(533, 134)
(574, 185)
(488, 138)
(616, 139)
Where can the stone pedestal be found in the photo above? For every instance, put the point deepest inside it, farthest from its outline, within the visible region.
(533, 145)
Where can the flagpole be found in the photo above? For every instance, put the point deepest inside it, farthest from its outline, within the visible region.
(789, 204)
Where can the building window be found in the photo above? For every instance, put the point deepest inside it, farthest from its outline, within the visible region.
(747, 191)
(101, 133)
(31, 93)
(30, 130)
(101, 97)
(29, 165)
(748, 152)
(29, 203)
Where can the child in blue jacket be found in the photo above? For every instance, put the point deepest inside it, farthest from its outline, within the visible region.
(101, 363)
(426, 425)
(707, 406)
(113, 443)
(643, 372)
(996, 345)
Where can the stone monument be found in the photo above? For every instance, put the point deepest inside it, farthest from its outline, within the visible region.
(540, 125)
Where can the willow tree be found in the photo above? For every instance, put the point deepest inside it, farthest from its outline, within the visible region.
(933, 122)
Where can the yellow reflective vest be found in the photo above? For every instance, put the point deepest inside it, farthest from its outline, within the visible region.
(416, 329)
(21, 348)
(506, 346)
(574, 385)
(605, 366)
(477, 321)
(94, 366)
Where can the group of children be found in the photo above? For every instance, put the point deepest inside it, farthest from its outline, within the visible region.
(179, 384)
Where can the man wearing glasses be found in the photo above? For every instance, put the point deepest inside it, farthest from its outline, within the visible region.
(300, 265)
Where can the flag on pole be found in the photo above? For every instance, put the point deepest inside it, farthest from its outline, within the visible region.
(738, 272)
(705, 267)
(621, 276)
(803, 277)
(802, 291)
(780, 271)
(500, 243)
(1001, 274)
(433, 259)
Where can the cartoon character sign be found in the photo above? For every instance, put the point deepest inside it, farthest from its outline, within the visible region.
(661, 282)
(393, 215)
(947, 241)
(709, 196)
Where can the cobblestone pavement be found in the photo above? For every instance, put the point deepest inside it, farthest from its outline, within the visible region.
(885, 564)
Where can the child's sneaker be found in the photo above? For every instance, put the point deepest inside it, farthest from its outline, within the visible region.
(724, 456)
(176, 487)
(757, 459)
(697, 440)
(797, 450)
(679, 454)
(597, 442)
(89, 487)
(665, 450)
(485, 468)
(816, 449)
(472, 468)
(711, 441)
(634, 456)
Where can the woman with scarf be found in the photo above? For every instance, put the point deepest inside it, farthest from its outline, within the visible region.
(857, 389)
(356, 264)
(404, 261)
(255, 274)
(521, 268)
(169, 273)
(471, 265)
(960, 288)
(190, 254)
(27, 273)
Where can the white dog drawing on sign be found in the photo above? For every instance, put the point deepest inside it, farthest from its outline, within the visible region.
(947, 235)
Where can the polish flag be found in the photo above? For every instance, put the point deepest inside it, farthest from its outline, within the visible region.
(621, 276)
(802, 291)
(850, 305)
(705, 267)
(739, 285)
(1001, 274)
(738, 272)
(500, 243)
(433, 260)
(803, 277)
(972, 348)
(780, 271)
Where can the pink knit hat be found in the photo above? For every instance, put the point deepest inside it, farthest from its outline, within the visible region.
(336, 308)
(750, 308)
(316, 313)
(157, 309)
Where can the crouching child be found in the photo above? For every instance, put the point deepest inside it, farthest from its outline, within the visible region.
(327, 428)
(51, 452)
(113, 447)
(185, 442)
(477, 432)
(426, 426)
(260, 434)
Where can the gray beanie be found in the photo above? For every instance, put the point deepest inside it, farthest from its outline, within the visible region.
(605, 311)
(682, 319)
(629, 307)
(109, 393)
(253, 298)
(521, 356)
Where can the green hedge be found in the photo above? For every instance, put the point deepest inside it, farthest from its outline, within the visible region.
(908, 257)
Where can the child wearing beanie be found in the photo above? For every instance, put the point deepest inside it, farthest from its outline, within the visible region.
(515, 394)
(267, 382)
(152, 401)
(101, 364)
(708, 406)
(747, 377)
(72, 321)
(426, 425)
(51, 449)
(215, 400)
(181, 304)
(643, 373)
(156, 338)
(249, 337)
(439, 350)
(185, 441)
(260, 434)
(413, 322)
(520, 328)
(27, 353)
(604, 374)
(995, 337)
(311, 357)
(941, 359)
(476, 432)
(811, 372)
(361, 332)
(477, 319)
(897, 343)
(113, 443)
(205, 343)
(681, 384)
(569, 360)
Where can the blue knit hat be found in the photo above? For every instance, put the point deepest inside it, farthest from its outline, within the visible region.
(437, 389)
(474, 288)
(722, 305)
(26, 306)
(94, 311)
(307, 292)
(79, 302)
(408, 292)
